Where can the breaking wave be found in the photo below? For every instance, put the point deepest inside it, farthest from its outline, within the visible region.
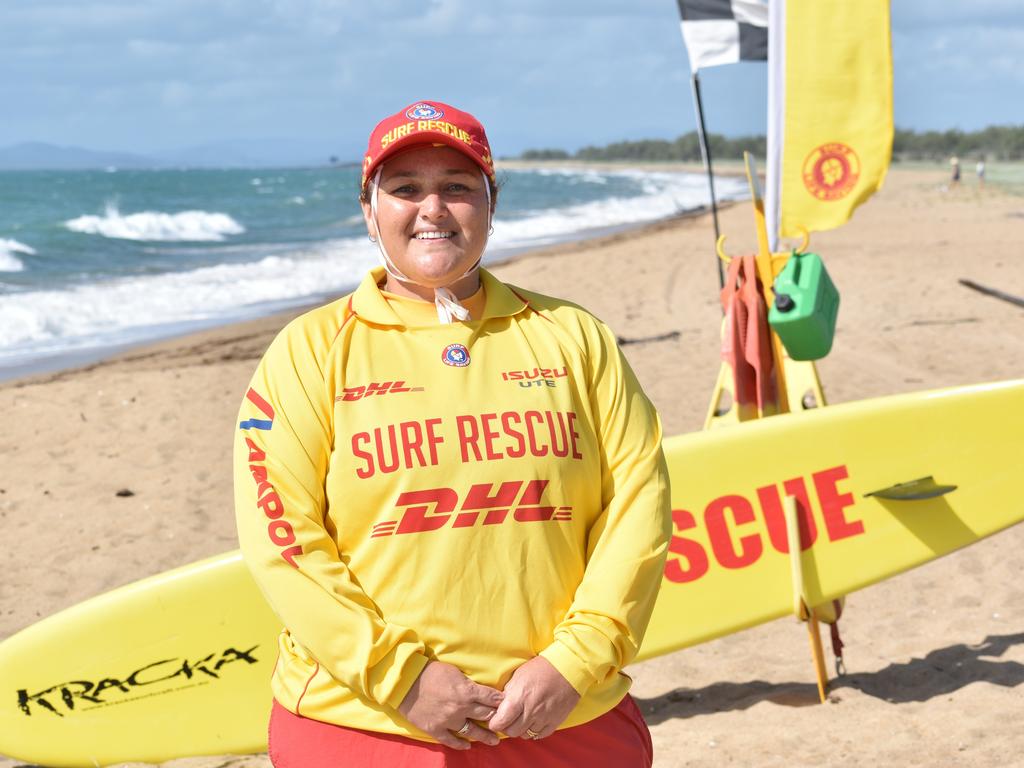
(127, 309)
(155, 226)
(8, 261)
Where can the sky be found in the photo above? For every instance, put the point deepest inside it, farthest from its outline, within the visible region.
(163, 74)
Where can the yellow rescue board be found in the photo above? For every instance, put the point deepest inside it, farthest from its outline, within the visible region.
(882, 486)
(179, 664)
(175, 665)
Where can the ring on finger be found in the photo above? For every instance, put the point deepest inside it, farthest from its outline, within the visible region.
(464, 729)
(532, 734)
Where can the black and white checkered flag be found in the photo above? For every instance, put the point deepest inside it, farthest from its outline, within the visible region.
(724, 31)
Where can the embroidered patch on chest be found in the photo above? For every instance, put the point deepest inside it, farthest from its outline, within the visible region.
(455, 355)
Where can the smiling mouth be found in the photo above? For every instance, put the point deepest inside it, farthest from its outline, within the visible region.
(433, 235)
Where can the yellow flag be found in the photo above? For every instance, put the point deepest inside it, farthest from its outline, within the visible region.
(838, 125)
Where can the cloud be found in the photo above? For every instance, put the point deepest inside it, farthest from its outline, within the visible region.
(974, 53)
(161, 73)
(176, 94)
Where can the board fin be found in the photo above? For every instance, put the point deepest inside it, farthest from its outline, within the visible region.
(913, 490)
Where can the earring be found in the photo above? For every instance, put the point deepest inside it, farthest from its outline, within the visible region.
(490, 231)
(371, 238)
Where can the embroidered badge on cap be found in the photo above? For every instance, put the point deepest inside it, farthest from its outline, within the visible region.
(424, 112)
(455, 355)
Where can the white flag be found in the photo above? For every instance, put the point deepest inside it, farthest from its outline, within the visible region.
(724, 31)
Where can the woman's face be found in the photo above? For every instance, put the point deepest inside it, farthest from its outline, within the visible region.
(432, 215)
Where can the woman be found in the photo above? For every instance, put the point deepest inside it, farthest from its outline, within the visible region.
(453, 494)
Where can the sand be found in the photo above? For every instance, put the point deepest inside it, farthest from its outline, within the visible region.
(935, 657)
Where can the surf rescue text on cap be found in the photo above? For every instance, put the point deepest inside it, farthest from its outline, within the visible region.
(428, 122)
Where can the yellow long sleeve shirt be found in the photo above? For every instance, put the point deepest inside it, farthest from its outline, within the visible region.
(477, 493)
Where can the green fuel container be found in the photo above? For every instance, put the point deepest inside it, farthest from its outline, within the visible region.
(805, 307)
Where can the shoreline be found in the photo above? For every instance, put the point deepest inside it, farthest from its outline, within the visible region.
(105, 315)
(53, 367)
(29, 367)
(935, 655)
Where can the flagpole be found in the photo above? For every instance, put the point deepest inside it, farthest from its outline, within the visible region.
(705, 152)
(776, 120)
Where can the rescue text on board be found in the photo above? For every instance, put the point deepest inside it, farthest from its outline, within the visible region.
(730, 525)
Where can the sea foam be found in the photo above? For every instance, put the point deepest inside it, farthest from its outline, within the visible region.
(37, 323)
(43, 321)
(663, 195)
(8, 261)
(155, 226)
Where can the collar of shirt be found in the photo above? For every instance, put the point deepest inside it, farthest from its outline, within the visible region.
(368, 303)
(416, 312)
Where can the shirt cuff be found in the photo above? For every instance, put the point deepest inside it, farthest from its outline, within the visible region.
(410, 673)
(569, 666)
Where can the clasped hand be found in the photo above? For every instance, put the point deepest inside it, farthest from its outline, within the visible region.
(537, 701)
(443, 700)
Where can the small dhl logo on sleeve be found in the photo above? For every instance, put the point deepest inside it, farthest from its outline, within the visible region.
(350, 394)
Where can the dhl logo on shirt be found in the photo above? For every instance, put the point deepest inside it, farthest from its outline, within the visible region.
(350, 394)
(432, 509)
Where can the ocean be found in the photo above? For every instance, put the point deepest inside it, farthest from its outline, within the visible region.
(94, 261)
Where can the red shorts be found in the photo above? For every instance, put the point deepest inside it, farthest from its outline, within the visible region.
(617, 739)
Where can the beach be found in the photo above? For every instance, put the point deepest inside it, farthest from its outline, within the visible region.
(935, 657)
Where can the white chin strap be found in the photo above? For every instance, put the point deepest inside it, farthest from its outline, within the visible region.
(449, 309)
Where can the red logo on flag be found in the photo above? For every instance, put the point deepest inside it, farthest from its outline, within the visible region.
(831, 171)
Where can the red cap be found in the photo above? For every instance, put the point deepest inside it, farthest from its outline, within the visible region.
(427, 122)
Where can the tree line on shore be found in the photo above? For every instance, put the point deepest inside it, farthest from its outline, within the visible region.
(997, 142)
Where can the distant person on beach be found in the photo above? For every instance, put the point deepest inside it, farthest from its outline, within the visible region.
(954, 163)
(980, 170)
(452, 492)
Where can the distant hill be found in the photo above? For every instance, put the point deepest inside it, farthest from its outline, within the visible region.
(252, 153)
(238, 153)
(34, 155)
